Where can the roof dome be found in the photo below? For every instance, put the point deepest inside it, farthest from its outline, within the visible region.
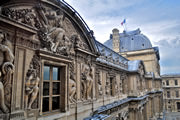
(133, 40)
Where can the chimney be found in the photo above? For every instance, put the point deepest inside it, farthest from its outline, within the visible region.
(115, 39)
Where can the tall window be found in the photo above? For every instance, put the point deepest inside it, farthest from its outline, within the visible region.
(178, 106)
(175, 82)
(51, 89)
(177, 94)
(168, 94)
(167, 82)
(111, 86)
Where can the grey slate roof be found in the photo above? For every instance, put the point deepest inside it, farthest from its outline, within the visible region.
(130, 41)
(108, 56)
(171, 75)
(133, 65)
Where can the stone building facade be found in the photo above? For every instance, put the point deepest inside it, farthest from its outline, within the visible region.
(53, 68)
(171, 87)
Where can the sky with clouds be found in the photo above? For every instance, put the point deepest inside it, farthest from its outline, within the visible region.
(159, 20)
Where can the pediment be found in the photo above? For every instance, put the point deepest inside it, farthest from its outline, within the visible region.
(60, 29)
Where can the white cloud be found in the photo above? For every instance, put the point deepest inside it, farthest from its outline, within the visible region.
(158, 20)
(169, 50)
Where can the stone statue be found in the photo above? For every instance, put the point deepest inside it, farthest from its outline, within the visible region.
(100, 87)
(100, 91)
(107, 87)
(87, 79)
(72, 86)
(31, 85)
(124, 83)
(7, 68)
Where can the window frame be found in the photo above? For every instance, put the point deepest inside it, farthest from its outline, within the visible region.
(51, 81)
(177, 94)
(168, 94)
(167, 82)
(63, 87)
(175, 82)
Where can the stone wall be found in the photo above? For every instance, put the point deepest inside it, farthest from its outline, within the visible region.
(51, 68)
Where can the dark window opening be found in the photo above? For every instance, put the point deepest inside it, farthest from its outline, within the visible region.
(177, 94)
(178, 106)
(175, 82)
(168, 94)
(111, 85)
(167, 82)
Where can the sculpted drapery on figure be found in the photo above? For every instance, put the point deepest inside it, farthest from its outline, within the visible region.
(100, 91)
(32, 82)
(87, 79)
(7, 68)
(72, 85)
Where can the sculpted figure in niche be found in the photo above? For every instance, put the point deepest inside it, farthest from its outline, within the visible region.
(31, 85)
(100, 87)
(116, 87)
(124, 83)
(72, 86)
(87, 79)
(107, 86)
(7, 68)
(99, 83)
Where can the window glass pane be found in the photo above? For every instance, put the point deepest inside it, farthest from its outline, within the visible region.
(176, 82)
(55, 73)
(56, 88)
(46, 88)
(46, 72)
(55, 103)
(45, 104)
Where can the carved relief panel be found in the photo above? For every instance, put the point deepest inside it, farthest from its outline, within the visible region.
(142, 77)
(32, 83)
(99, 87)
(72, 84)
(124, 83)
(111, 83)
(87, 78)
(6, 71)
(56, 32)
